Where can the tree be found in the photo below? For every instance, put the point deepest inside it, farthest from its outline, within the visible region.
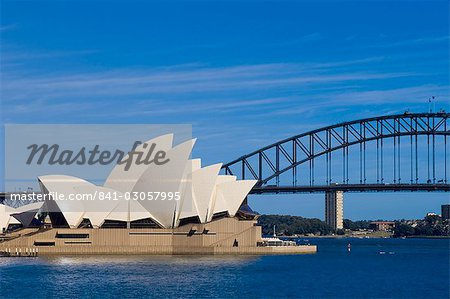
(340, 232)
(402, 230)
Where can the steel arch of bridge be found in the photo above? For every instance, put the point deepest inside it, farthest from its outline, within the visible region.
(265, 164)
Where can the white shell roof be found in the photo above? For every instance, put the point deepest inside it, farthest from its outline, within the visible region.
(21, 215)
(64, 185)
(203, 192)
(5, 214)
(124, 180)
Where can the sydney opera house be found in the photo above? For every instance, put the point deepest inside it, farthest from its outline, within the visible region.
(177, 207)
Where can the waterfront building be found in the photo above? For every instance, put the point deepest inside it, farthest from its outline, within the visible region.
(382, 225)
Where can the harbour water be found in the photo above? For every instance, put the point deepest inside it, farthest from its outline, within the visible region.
(375, 268)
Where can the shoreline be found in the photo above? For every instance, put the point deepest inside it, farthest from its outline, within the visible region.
(363, 237)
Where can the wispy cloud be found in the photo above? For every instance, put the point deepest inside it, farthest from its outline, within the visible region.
(422, 40)
(10, 27)
(14, 56)
(401, 98)
(225, 104)
(407, 42)
(157, 82)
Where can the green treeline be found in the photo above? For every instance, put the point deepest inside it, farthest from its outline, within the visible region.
(293, 225)
(431, 225)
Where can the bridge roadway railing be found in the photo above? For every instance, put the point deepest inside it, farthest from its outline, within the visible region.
(352, 188)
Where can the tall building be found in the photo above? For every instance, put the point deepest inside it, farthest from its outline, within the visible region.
(445, 212)
(334, 209)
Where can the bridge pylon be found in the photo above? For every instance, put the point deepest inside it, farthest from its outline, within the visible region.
(334, 209)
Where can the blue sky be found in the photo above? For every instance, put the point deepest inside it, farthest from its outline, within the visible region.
(244, 73)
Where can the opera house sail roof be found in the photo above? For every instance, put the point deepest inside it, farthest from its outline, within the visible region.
(23, 215)
(165, 194)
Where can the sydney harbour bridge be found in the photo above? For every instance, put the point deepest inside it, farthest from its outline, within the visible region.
(402, 152)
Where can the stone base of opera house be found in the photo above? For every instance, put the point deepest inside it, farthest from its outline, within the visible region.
(223, 236)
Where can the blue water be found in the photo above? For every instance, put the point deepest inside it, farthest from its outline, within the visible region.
(411, 268)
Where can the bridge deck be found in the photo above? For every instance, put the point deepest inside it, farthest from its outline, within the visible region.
(353, 188)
